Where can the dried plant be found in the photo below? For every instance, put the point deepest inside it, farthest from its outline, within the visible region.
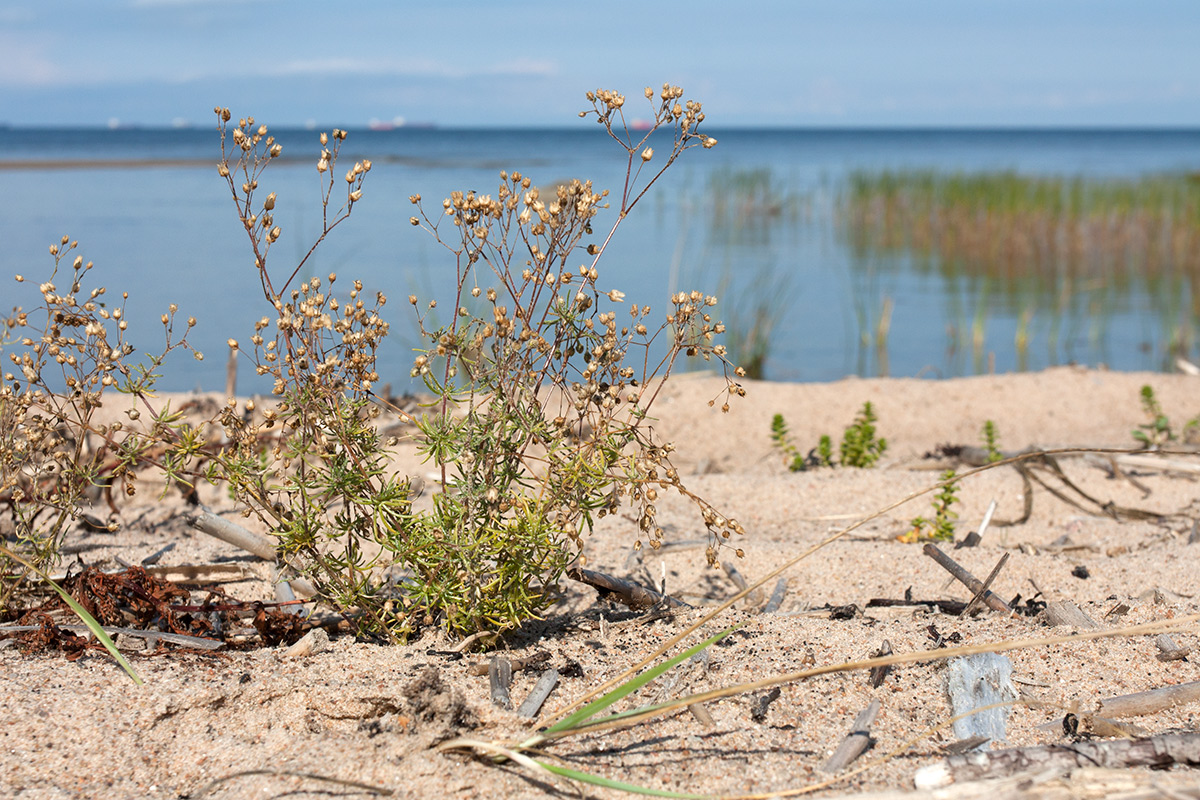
(539, 425)
(69, 352)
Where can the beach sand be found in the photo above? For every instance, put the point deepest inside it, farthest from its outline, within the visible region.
(372, 713)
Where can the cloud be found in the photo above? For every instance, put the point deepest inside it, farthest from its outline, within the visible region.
(411, 68)
(27, 63)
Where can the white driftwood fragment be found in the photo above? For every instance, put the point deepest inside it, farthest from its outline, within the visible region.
(312, 642)
(234, 534)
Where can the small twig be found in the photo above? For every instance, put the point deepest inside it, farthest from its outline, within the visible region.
(967, 579)
(183, 640)
(856, 742)
(1150, 702)
(537, 697)
(966, 612)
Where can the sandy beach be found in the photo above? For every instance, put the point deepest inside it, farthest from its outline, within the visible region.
(260, 725)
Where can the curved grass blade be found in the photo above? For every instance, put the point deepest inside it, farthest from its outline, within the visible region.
(81, 612)
(631, 686)
(609, 783)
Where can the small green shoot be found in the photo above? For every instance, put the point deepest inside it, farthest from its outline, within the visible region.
(825, 451)
(779, 437)
(941, 527)
(860, 448)
(991, 442)
(1157, 430)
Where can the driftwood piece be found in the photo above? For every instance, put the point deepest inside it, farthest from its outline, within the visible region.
(1153, 751)
(976, 586)
(776, 599)
(1150, 702)
(499, 679)
(234, 534)
(856, 742)
(628, 592)
(1064, 612)
(537, 696)
(1168, 650)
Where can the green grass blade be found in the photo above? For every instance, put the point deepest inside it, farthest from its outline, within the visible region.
(632, 685)
(81, 612)
(608, 783)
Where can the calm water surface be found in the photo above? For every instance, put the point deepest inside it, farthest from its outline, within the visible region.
(752, 217)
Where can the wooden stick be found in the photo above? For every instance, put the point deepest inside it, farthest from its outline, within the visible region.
(537, 697)
(628, 592)
(1150, 702)
(966, 612)
(1153, 751)
(967, 579)
(856, 742)
(234, 534)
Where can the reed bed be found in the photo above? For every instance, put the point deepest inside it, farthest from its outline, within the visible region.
(1010, 226)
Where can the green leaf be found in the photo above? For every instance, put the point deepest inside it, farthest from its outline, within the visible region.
(609, 783)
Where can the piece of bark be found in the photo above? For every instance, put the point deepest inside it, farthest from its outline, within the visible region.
(878, 674)
(967, 579)
(234, 534)
(856, 742)
(499, 679)
(1168, 650)
(537, 696)
(628, 592)
(1150, 702)
(1064, 612)
(777, 596)
(1153, 751)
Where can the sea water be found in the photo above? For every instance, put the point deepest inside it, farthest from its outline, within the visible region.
(168, 233)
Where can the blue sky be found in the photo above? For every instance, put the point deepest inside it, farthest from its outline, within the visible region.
(481, 64)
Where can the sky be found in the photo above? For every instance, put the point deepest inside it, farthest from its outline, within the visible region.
(493, 63)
